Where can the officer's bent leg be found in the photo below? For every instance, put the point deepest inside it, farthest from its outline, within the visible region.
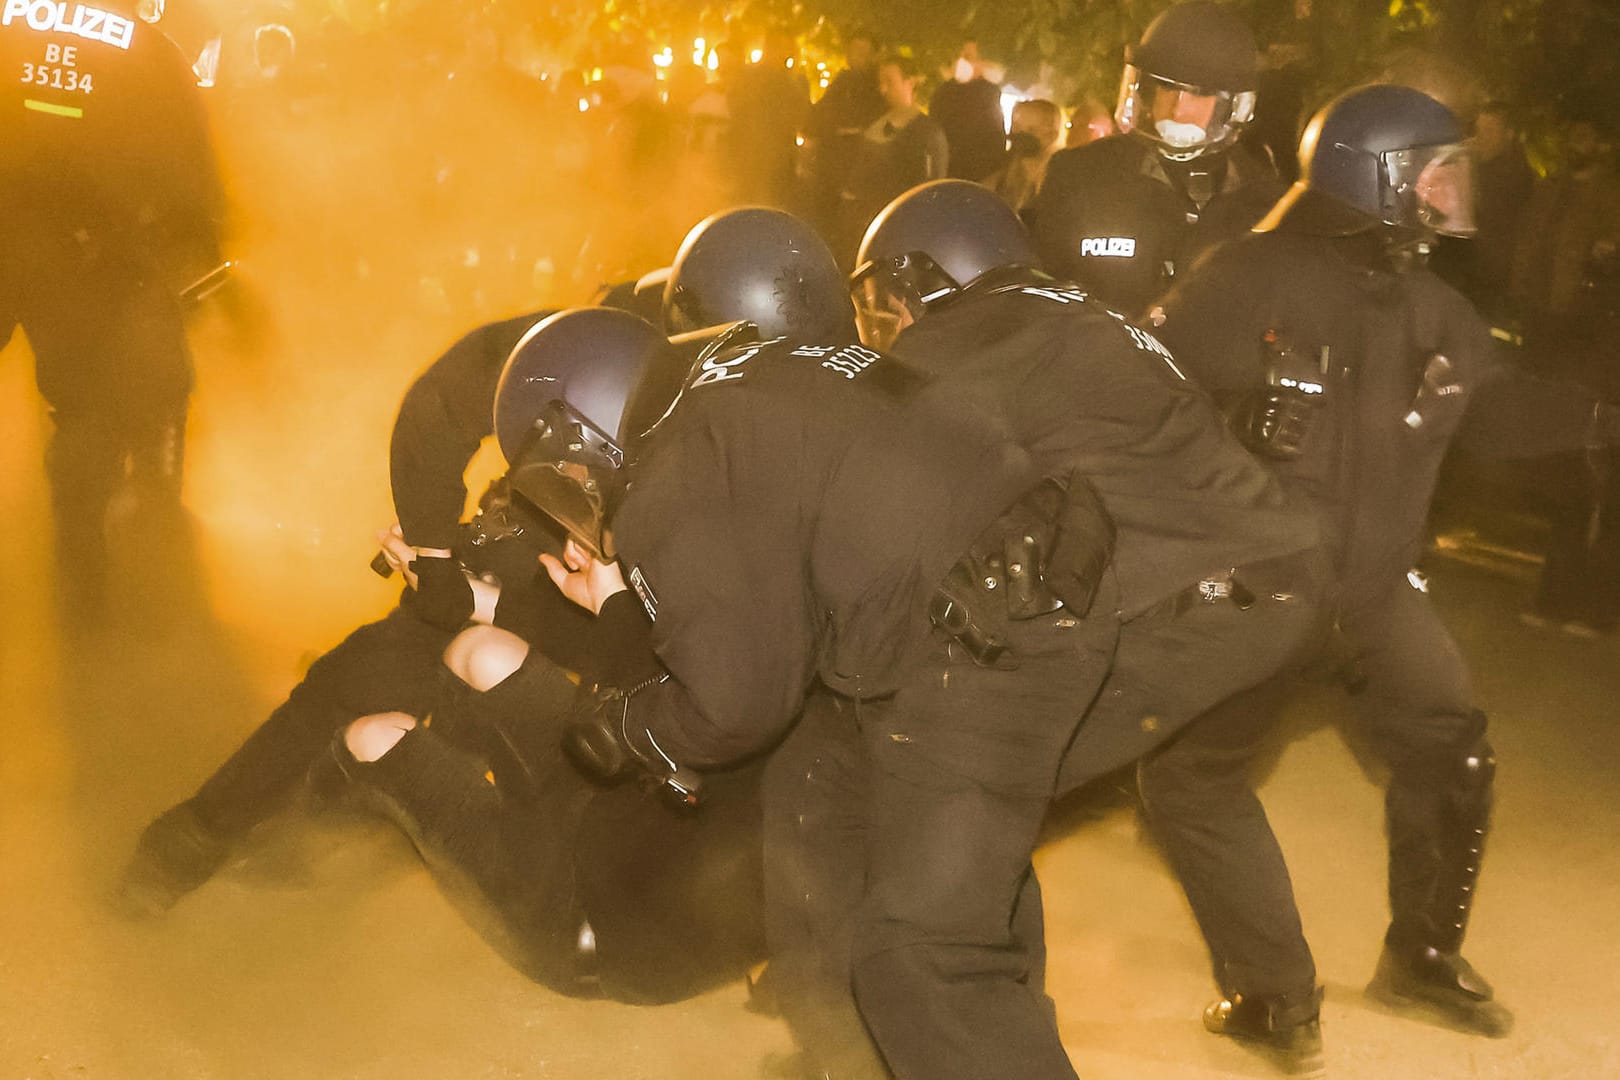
(1418, 711)
(815, 811)
(963, 769)
(1198, 799)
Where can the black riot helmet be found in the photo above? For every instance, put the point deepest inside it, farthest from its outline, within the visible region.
(576, 394)
(928, 245)
(762, 266)
(1379, 155)
(1189, 84)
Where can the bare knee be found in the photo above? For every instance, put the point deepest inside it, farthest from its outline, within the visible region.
(370, 737)
(483, 656)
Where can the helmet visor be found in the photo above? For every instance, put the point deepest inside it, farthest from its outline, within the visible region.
(1430, 187)
(566, 469)
(880, 315)
(1183, 120)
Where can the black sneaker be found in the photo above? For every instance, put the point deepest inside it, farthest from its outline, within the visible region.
(1441, 988)
(1287, 1034)
(175, 854)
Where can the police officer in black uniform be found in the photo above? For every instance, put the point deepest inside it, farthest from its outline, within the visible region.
(1124, 214)
(1211, 567)
(113, 208)
(789, 520)
(1352, 369)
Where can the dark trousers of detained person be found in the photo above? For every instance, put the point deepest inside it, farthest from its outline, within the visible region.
(391, 665)
(586, 889)
(1416, 710)
(963, 771)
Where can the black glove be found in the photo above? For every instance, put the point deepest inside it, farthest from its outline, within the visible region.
(604, 742)
(442, 596)
(1277, 419)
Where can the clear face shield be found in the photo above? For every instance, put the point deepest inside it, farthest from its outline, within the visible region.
(1429, 187)
(880, 315)
(885, 290)
(569, 470)
(1183, 120)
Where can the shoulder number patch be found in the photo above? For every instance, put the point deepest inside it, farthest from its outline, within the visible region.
(649, 599)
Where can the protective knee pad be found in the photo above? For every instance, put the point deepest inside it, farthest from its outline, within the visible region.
(1471, 777)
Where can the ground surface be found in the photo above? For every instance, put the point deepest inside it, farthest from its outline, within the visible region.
(329, 954)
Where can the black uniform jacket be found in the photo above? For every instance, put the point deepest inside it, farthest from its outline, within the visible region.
(1109, 217)
(1372, 455)
(104, 134)
(1084, 391)
(447, 412)
(791, 517)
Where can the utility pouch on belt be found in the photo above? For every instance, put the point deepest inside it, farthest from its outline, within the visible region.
(953, 611)
(1048, 550)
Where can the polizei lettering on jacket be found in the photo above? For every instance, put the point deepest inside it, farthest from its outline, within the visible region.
(1119, 247)
(724, 367)
(58, 17)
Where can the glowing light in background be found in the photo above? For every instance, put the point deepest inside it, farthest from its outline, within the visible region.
(1010, 96)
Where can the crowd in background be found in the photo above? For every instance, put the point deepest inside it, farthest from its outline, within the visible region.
(524, 178)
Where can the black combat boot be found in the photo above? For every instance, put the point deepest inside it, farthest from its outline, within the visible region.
(1437, 986)
(175, 854)
(1421, 971)
(1284, 1029)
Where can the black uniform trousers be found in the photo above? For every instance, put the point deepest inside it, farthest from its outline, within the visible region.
(391, 665)
(112, 361)
(944, 789)
(1415, 707)
(948, 952)
(584, 888)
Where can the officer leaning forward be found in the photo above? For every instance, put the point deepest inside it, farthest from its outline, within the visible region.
(1351, 368)
(789, 520)
(112, 209)
(1211, 593)
(1124, 214)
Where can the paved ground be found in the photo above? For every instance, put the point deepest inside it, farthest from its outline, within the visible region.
(329, 954)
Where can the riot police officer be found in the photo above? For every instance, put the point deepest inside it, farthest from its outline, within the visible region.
(1211, 567)
(1124, 214)
(113, 207)
(1352, 369)
(787, 521)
